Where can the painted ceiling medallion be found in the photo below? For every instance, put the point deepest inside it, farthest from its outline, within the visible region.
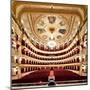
(59, 36)
(62, 31)
(51, 25)
(62, 23)
(41, 30)
(51, 19)
(46, 26)
(44, 36)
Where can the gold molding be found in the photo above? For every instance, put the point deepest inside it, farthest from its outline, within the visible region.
(20, 7)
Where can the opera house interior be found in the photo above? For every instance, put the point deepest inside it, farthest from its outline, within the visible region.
(48, 44)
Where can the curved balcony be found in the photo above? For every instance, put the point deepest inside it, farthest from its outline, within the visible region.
(70, 54)
(51, 53)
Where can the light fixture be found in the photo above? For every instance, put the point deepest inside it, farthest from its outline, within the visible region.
(20, 59)
(15, 69)
(22, 21)
(15, 57)
(51, 44)
(24, 38)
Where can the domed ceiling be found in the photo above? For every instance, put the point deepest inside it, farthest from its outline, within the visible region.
(50, 29)
(49, 25)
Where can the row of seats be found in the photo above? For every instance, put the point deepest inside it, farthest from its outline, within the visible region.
(42, 76)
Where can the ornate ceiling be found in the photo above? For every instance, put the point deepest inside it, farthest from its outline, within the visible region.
(50, 29)
(49, 24)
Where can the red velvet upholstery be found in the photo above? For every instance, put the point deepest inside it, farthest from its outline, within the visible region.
(42, 76)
